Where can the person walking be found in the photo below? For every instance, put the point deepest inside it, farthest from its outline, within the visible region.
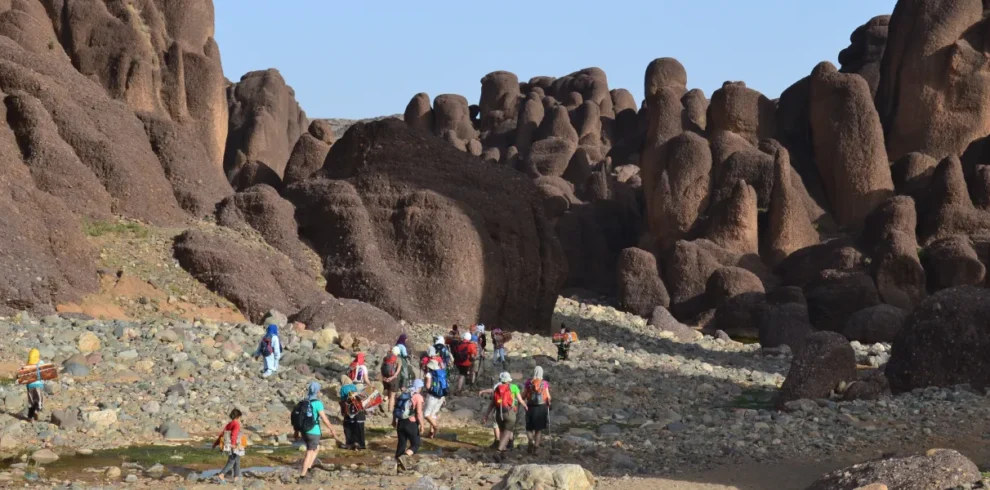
(358, 372)
(563, 341)
(270, 349)
(407, 420)
(391, 369)
(437, 390)
(465, 356)
(230, 441)
(36, 388)
(537, 396)
(309, 421)
(498, 347)
(354, 415)
(505, 402)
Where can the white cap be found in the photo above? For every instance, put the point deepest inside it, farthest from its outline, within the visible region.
(440, 340)
(466, 336)
(505, 377)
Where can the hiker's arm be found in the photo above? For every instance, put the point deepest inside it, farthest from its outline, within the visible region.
(486, 392)
(429, 382)
(491, 406)
(419, 416)
(276, 348)
(522, 402)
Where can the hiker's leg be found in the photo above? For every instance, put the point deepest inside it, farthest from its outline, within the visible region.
(506, 437)
(359, 437)
(400, 449)
(414, 437)
(237, 467)
(539, 438)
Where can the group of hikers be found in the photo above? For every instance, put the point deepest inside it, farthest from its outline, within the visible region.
(413, 401)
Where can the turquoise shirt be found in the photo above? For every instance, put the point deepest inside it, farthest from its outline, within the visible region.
(37, 384)
(317, 409)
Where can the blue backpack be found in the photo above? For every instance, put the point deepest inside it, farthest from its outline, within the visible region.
(438, 387)
(403, 406)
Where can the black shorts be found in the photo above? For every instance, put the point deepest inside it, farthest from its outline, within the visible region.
(312, 441)
(538, 417)
(464, 370)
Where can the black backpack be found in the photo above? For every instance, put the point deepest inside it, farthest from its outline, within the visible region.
(303, 417)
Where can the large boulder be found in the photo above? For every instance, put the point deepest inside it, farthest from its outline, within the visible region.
(937, 468)
(261, 209)
(407, 223)
(265, 122)
(790, 228)
(933, 78)
(729, 282)
(784, 324)
(865, 51)
(836, 295)
(310, 152)
(889, 236)
(733, 222)
(592, 236)
(875, 324)
(825, 361)
(546, 477)
(849, 145)
(665, 322)
(951, 262)
(253, 277)
(943, 341)
(350, 316)
(742, 110)
(640, 289)
(676, 185)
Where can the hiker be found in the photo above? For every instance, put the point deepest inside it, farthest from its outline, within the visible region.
(505, 402)
(308, 419)
(391, 368)
(480, 339)
(563, 342)
(495, 430)
(35, 389)
(498, 346)
(454, 333)
(443, 352)
(401, 344)
(406, 371)
(407, 420)
(430, 355)
(464, 355)
(229, 439)
(437, 390)
(354, 415)
(271, 350)
(358, 372)
(537, 396)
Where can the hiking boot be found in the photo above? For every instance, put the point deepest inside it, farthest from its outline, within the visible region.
(401, 465)
(531, 448)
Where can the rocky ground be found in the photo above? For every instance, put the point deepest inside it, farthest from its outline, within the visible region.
(630, 403)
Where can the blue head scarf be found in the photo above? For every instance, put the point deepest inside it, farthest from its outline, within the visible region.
(272, 330)
(313, 391)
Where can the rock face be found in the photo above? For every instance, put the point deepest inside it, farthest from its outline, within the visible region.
(640, 289)
(928, 350)
(849, 145)
(310, 152)
(253, 278)
(865, 51)
(265, 122)
(260, 208)
(676, 186)
(555, 477)
(932, 76)
(875, 324)
(951, 262)
(825, 361)
(938, 468)
(836, 295)
(425, 232)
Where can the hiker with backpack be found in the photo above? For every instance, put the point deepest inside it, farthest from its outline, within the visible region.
(479, 338)
(537, 396)
(230, 440)
(563, 341)
(36, 388)
(407, 419)
(271, 350)
(498, 346)
(443, 352)
(465, 354)
(309, 419)
(437, 390)
(505, 403)
(391, 369)
(358, 372)
(354, 415)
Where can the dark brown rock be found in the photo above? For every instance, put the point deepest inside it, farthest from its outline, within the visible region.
(805, 265)
(419, 113)
(408, 224)
(930, 351)
(265, 122)
(739, 316)
(835, 296)
(733, 221)
(676, 186)
(951, 262)
(825, 361)
(875, 324)
(750, 165)
(865, 51)
(849, 145)
(663, 320)
(889, 236)
(253, 277)
(783, 324)
(912, 173)
(790, 228)
(728, 282)
(261, 209)
(640, 289)
(350, 316)
(938, 468)
(592, 236)
(743, 111)
(250, 174)
(309, 153)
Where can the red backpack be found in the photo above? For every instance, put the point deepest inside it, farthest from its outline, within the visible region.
(504, 398)
(390, 366)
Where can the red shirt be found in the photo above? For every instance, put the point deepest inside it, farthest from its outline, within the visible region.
(472, 351)
(235, 429)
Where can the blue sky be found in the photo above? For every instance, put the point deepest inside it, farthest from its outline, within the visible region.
(356, 59)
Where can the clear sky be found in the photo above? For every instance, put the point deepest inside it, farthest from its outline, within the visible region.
(357, 59)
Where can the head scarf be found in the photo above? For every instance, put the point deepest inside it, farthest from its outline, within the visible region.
(313, 390)
(358, 360)
(439, 340)
(402, 339)
(416, 385)
(431, 351)
(396, 350)
(34, 357)
(538, 373)
(505, 377)
(272, 330)
(466, 336)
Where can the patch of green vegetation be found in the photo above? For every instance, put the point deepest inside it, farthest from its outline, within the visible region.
(754, 399)
(100, 228)
(7, 381)
(747, 340)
